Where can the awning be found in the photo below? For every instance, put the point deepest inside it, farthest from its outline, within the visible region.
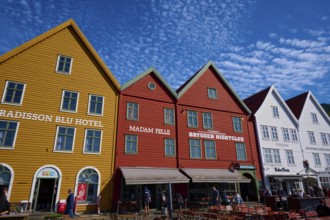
(215, 176)
(151, 175)
(286, 177)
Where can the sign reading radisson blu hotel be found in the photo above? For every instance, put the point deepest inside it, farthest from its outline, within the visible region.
(49, 118)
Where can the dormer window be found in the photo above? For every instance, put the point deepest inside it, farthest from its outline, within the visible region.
(64, 64)
(276, 114)
(314, 118)
(212, 93)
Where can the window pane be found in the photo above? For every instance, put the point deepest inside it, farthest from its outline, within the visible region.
(195, 148)
(7, 133)
(96, 105)
(212, 93)
(192, 119)
(64, 64)
(168, 116)
(90, 179)
(14, 93)
(130, 144)
(210, 150)
(65, 138)
(132, 111)
(240, 151)
(93, 141)
(169, 147)
(207, 120)
(70, 100)
(237, 123)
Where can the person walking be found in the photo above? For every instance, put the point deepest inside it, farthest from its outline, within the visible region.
(215, 197)
(70, 204)
(146, 200)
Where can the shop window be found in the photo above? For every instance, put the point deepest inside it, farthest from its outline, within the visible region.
(88, 182)
(8, 131)
(13, 93)
(93, 140)
(64, 139)
(64, 64)
(95, 105)
(131, 144)
(69, 101)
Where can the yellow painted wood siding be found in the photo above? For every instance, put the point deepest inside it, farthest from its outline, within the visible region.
(34, 146)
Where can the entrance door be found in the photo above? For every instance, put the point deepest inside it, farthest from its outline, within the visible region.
(44, 195)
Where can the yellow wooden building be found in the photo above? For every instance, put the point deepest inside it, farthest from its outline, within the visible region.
(58, 115)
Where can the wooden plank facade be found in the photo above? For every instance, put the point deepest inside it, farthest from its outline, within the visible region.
(43, 162)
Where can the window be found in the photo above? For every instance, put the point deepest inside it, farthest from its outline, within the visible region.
(13, 93)
(289, 157)
(69, 101)
(95, 105)
(317, 160)
(265, 132)
(240, 151)
(210, 149)
(8, 131)
(327, 159)
(195, 148)
(294, 135)
(64, 139)
(89, 180)
(272, 156)
(207, 120)
(311, 137)
(237, 123)
(132, 111)
(324, 139)
(169, 147)
(131, 144)
(169, 116)
(192, 119)
(314, 118)
(5, 177)
(276, 114)
(64, 64)
(93, 139)
(212, 93)
(273, 131)
(286, 135)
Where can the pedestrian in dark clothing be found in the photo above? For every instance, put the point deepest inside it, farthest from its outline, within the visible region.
(70, 204)
(215, 197)
(322, 209)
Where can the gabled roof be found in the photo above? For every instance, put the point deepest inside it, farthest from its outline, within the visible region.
(298, 103)
(255, 101)
(69, 23)
(147, 72)
(182, 89)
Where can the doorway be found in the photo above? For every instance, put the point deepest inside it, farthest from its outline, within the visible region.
(45, 194)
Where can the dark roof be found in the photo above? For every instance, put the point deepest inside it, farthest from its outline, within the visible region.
(296, 104)
(255, 101)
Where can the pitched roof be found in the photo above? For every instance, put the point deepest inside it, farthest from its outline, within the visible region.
(182, 89)
(255, 101)
(297, 103)
(69, 23)
(147, 72)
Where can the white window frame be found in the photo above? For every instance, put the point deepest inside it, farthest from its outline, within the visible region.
(3, 101)
(275, 111)
(15, 136)
(62, 102)
(314, 118)
(294, 135)
(85, 141)
(272, 156)
(137, 144)
(58, 62)
(311, 137)
(191, 114)
(190, 148)
(237, 145)
(286, 135)
(210, 144)
(167, 147)
(327, 159)
(56, 139)
(274, 133)
(237, 124)
(207, 119)
(98, 185)
(169, 116)
(317, 160)
(324, 139)
(212, 93)
(89, 105)
(290, 157)
(130, 110)
(265, 132)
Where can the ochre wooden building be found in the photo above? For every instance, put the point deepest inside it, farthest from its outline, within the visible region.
(58, 115)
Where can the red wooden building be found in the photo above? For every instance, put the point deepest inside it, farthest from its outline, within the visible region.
(216, 139)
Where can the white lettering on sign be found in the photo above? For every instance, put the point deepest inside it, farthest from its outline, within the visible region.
(149, 130)
(215, 136)
(49, 118)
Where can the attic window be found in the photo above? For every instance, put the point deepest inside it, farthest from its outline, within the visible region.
(151, 86)
(64, 64)
(212, 93)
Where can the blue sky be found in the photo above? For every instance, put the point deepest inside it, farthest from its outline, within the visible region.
(254, 43)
